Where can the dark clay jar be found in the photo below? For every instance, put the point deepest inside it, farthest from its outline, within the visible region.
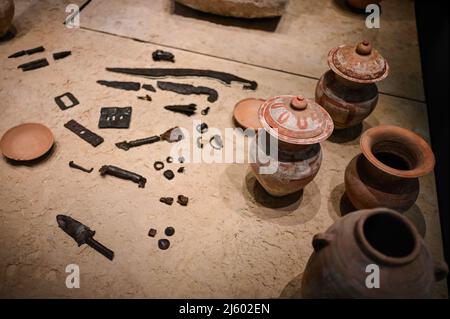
(381, 237)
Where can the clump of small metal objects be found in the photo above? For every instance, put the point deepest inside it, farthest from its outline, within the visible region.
(163, 243)
(169, 174)
(39, 63)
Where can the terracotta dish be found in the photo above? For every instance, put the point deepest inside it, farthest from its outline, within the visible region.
(246, 113)
(26, 142)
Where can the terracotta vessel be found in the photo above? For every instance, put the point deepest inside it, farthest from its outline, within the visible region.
(295, 126)
(6, 15)
(362, 4)
(382, 237)
(386, 173)
(348, 91)
(246, 113)
(26, 142)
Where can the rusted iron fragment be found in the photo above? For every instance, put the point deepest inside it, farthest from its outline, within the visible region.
(87, 135)
(127, 86)
(188, 110)
(61, 55)
(76, 166)
(160, 55)
(115, 117)
(123, 174)
(33, 65)
(183, 200)
(152, 232)
(169, 175)
(82, 235)
(187, 89)
(59, 101)
(167, 200)
(224, 77)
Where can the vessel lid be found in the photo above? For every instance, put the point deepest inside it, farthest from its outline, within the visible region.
(295, 120)
(359, 63)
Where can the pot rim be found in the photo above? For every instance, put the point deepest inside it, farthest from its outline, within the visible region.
(375, 253)
(416, 144)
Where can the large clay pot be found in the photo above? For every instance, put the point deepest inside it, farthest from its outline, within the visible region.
(348, 91)
(386, 173)
(382, 237)
(239, 8)
(6, 15)
(298, 125)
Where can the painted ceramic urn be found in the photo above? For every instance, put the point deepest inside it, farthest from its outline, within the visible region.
(286, 154)
(6, 15)
(388, 170)
(348, 91)
(371, 254)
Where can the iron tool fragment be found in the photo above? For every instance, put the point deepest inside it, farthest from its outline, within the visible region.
(61, 55)
(62, 105)
(144, 141)
(187, 89)
(167, 200)
(224, 77)
(172, 135)
(87, 135)
(183, 200)
(82, 235)
(160, 55)
(115, 117)
(145, 98)
(149, 87)
(76, 166)
(188, 110)
(123, 174)
(206, 111)
(27, 52)
(127, 86)
(33, 65)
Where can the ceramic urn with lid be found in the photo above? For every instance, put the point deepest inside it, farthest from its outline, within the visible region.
(348, 91)
(286, 154)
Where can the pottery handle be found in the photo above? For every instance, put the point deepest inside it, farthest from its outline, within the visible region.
(440, 270)
(321, 241)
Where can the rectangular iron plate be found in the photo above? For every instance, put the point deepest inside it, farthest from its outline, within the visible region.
(87, 135)
(115, 117)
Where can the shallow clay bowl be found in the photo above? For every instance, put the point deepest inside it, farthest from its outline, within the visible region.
(26, 142)
(246, 113)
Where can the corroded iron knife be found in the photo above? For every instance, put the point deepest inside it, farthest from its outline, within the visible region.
(82, 235)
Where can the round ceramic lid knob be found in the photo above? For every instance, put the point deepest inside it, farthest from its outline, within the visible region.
(364, 48)
(299, 103)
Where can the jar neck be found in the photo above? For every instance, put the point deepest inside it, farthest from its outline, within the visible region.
(349, 83)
